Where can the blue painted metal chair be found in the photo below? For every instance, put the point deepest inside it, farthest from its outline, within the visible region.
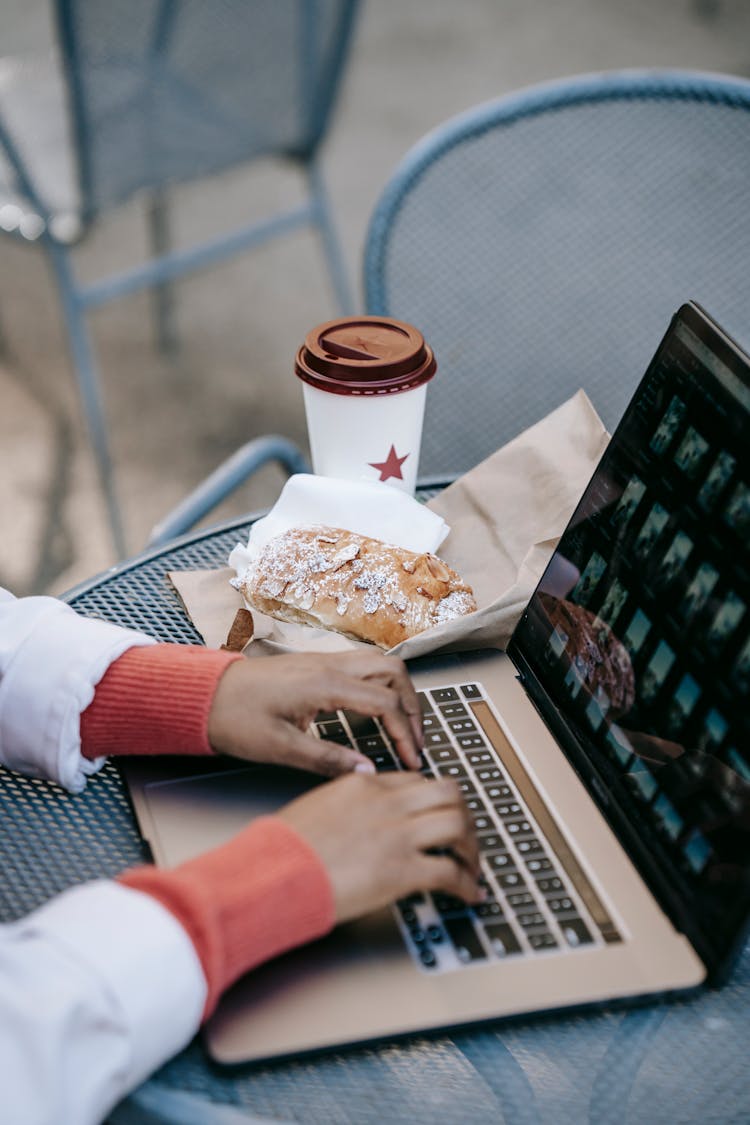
(542, 241)
(161, 92)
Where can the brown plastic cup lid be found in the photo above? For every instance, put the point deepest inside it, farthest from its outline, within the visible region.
(365, 355)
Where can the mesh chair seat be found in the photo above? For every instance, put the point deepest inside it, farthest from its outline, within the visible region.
(542, 241)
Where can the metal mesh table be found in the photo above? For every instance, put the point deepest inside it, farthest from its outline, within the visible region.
(673, 1062)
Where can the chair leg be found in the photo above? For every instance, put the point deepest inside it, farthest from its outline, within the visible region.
(88, 385)
(331, 243)
(157, 217)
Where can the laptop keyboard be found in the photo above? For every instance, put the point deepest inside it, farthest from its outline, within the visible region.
(538, 901)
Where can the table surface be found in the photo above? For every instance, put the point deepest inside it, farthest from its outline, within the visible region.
(678, 1061)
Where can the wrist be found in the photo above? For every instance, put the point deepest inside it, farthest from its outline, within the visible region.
(154, 700)
(261, 894)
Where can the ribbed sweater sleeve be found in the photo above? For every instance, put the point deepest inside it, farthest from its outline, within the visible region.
(261, 894)
(154, 700)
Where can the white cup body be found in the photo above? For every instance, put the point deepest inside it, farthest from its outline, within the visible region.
(352, 434)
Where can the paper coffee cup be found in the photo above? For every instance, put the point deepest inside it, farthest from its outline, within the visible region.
(364, 381)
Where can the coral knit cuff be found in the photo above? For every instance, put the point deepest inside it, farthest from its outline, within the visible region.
(154, 699)
(264, 892)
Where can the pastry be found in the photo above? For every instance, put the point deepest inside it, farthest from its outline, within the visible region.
(367, 589)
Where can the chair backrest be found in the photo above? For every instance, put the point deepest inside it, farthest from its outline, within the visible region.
(163, 91)
(542, 242)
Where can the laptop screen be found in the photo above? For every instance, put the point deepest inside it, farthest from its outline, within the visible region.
(639, 631)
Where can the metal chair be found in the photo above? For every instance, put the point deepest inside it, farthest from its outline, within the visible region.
(159, 92)
(542, 241)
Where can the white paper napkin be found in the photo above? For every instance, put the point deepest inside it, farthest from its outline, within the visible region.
(365, 507)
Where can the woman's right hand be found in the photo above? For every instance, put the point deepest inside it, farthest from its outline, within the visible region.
(375, 836)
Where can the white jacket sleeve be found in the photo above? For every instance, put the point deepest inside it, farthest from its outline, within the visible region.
(97, 989)
(50, 662)
(102, 984)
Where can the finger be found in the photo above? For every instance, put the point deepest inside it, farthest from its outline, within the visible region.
(445, 873)
(447, 828)
(391, 672)
(432, 793)
(304, 751)
(369, 697)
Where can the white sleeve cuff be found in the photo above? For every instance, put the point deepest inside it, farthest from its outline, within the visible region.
(50, 662)
(138, 955)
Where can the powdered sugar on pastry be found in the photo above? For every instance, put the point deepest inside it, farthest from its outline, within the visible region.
(352, 584)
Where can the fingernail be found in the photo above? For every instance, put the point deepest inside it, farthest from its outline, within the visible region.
(364, 767)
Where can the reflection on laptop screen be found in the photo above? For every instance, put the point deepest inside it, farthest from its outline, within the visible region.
(640, 628)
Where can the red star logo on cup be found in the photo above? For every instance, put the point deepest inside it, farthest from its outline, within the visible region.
(391, 467)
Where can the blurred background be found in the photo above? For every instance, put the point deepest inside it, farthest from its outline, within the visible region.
(173, 416)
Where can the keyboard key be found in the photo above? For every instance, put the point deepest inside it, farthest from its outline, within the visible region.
(334, 732)
(383, 761)
(562, 905)
(529, 847)
(448, 904)
(431, 723)
(442, 754)
(482, 823)
(436, 739)
(471, 742)
(518, 829)
(510, 880)
(360, 725)
(465, 941)
(491, 842)
(455, 770)
(550, 886)
(371, 744)
(466, 787)
(542, 940)
(435, 934)
(409, 915)
(415, 899)
(502, 939)
(462, 726)
(530, 919)
(500, 861)
(444, 695)
(480, 757)
(427, 957)
(498, 792)
(453, 710)
(425, 703)
(539, 866)
(489, 910)
(471, 691)
(575, 932)
(508, 809)
(489, 774)
(476, 804)
(520, 898)
(326, 716)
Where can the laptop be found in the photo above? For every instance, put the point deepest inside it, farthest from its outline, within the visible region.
(605, 760)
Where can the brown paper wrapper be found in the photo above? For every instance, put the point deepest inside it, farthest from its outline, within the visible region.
(506, 516)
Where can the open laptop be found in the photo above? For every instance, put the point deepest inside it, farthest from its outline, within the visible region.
(605, 759)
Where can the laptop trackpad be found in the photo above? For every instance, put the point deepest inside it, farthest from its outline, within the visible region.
(191, 814)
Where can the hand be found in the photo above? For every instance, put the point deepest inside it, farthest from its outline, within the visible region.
(264, 705)
(373, 835)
